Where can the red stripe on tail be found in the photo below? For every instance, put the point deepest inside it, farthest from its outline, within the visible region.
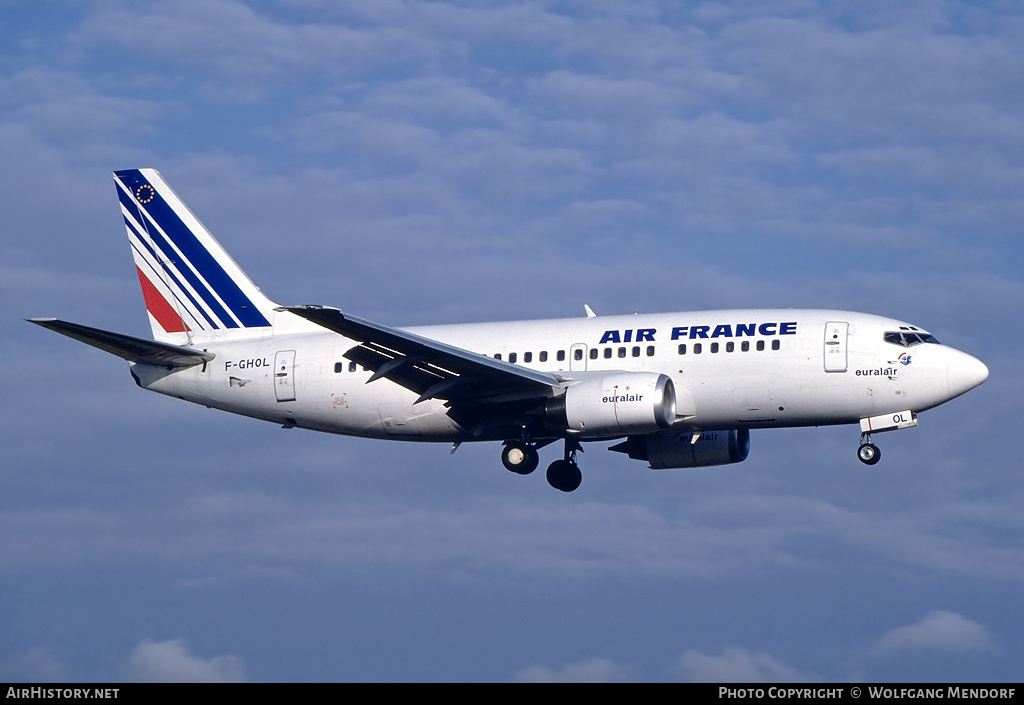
(158, 307)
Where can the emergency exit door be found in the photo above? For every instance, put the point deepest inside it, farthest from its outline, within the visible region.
(578, 357)
(836, 333)
(284, 375)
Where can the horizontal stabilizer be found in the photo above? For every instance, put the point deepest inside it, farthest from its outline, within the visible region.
(146, 352)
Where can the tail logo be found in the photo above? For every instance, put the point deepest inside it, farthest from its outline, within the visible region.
(144, 193)
(188, 281)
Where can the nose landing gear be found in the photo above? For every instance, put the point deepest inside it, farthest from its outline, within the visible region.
(868, 453)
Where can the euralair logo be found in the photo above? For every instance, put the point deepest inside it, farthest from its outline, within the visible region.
(903, 359)
(616, 397)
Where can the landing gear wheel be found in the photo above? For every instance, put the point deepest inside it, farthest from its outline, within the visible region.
(564, 475)
(520, 458)
(869, 453)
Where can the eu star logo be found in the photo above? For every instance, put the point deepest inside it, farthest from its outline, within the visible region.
(144, 193)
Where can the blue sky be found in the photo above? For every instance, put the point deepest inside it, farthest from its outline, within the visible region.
(429, 162)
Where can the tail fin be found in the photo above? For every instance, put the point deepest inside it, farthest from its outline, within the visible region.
(189, 281)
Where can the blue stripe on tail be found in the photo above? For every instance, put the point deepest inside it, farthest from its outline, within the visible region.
(171, 275)
(240, 306)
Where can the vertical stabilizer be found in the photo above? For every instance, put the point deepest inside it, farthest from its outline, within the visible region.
(191, 285)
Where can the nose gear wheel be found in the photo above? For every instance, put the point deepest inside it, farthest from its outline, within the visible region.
(868, 453)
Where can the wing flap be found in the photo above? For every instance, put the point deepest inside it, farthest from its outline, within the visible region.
(399, 369)
(428, 367)
(139, 350)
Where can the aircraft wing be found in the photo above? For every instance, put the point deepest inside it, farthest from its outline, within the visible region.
(148, 352)
(428, 367)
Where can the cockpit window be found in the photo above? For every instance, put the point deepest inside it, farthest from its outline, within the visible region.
(909, 339)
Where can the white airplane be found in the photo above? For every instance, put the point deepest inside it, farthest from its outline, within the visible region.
(680, 390)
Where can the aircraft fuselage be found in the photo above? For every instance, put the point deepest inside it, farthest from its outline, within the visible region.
(744, 369)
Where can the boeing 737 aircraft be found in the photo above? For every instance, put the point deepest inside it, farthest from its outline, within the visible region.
(677, 390)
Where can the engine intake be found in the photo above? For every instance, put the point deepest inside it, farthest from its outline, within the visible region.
(627, 402)
(676, 450)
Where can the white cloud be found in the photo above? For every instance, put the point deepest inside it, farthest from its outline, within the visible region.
(171, 662)
(736, 665)
(62, 109)
(720, 534)
(937, 631)
(594, 670)
(34, 665)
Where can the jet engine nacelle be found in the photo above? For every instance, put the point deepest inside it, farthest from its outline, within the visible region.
(626, 402)
(677, 450)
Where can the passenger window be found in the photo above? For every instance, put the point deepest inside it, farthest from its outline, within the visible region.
(593, 353)
(561, 356)
(577, 354)
(338, 367)
(607, 353)
(512, 357)
(760, 345)
(351, 367)
(543, 356)
(745, 346)
(714, 347)
(775, 344)
(697, 347)
(730, 346)
(682, 348)
(528, 357)
(622, 352)
(650, 351)
(636, 351)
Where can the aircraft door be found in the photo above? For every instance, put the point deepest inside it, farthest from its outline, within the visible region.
(284, 375)
(836, 333)
(578, 357)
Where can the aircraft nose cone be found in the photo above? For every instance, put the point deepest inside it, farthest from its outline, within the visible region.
(964, 373)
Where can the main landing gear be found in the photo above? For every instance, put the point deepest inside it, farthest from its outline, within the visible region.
(565, 474)
(868, 453)
(522, 458)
